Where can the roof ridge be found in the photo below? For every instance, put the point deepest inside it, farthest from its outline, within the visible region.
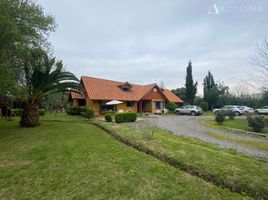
(120, 82)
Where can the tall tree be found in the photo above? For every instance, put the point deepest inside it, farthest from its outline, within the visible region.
(260, 60)
(23, 25)
(44, 76)
(180, 92)
(191, 87)
(208, 84)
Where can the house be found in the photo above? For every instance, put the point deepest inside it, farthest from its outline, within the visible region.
(98, 92)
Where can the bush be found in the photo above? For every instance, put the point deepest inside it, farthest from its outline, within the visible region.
(88, 113)
(230, 114)
(41, 112)
(204, 106)
(220, 117)
(108, 118)
(73, 110)
(266, 121)
(171, 106)
(125, 117)
(18, 111)
(257, 122)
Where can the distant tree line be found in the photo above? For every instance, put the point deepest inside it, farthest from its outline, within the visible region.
(217, 94)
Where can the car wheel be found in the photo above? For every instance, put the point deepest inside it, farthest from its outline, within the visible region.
(257, 112)
(237, 113)
(177, 112)
(193, 113)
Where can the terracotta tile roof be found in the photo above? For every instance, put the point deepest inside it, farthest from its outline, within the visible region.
(75, 95)
(102, 89)
(171, 97)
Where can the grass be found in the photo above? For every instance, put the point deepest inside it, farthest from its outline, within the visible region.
(248, 172)
(250, 143)
(208, 113)
(240, 123)
(68, 158)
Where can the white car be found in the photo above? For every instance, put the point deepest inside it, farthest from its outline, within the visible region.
(263, 110)
(192, 110)
(236, 109)
(246, 109)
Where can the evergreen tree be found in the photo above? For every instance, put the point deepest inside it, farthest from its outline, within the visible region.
(180, 92)
(208, 84)
(191, 87)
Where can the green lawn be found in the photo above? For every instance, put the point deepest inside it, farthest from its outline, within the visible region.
(208, 113)
(248, 172)
(68, 158)
(250, 143)
(236, 123)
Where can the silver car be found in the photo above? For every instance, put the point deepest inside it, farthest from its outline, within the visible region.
(263, 110)
(192, 110)
(246, 109)
(236, 109)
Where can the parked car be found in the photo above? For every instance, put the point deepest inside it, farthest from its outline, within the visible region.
(263, 110)
(192, 110)
(236, 109)
(246, 109)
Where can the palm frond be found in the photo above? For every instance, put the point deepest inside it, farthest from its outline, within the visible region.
(46, 76)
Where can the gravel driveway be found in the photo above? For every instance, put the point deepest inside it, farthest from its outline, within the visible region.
(191, 127)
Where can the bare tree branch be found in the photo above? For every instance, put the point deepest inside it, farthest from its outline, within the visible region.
(260, 60)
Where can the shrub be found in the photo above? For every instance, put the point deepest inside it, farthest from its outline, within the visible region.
(108, 118)
(231, 114)
(204, 106)
(171, 106)
(18, 111)
(41, 112)
(73, 110)
(257, 122)
(220, 117)
(266, 121)
(125, 117)
(88, 113)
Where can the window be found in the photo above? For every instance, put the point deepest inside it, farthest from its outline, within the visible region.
(125, 88)
(130, 103)
(157, 105)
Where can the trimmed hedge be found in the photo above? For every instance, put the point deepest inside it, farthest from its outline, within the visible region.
(73, 110)
(108, 118)
(87, 113)
(125, 117)
(220, 117)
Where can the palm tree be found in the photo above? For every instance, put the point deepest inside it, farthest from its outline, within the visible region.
(43, 76)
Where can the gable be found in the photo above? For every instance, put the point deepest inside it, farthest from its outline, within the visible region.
(154, 94)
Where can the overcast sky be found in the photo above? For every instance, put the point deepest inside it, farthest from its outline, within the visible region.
(144, 41)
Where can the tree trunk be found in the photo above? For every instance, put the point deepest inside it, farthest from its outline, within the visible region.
(30, 115)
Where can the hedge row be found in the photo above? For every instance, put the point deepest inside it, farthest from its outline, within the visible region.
(82, 110)
(19, 111)
(125, 117)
